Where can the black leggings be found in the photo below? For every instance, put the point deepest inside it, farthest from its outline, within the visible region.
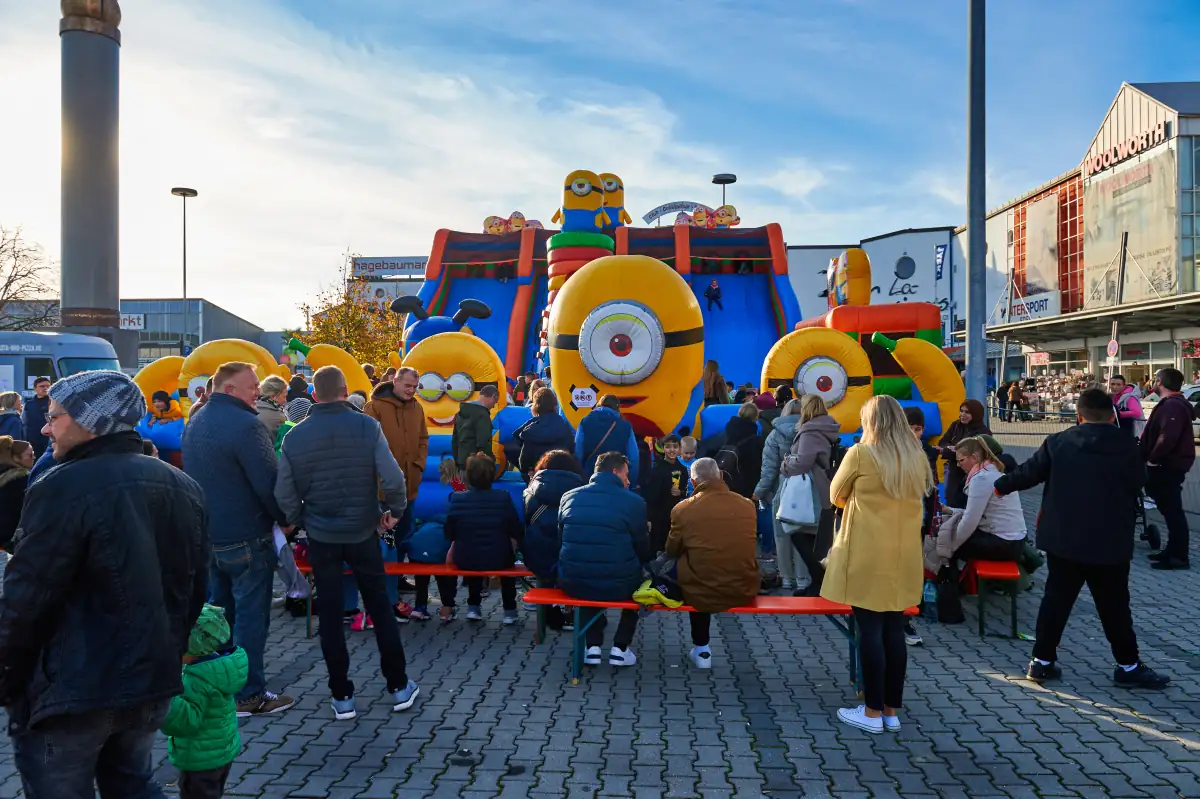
(508, 591)
(700, 624)
(446, 589)
(884, 656)
(813, 549)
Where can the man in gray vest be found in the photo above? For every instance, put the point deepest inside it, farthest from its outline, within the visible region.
(333, 467)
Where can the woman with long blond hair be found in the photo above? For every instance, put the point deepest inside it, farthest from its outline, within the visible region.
(716, 390)
(995, 524)
(876, 564)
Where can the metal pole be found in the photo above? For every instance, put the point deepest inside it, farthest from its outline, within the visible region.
(976, 382)
(1002, 372)
(183, 337)
(1116, 325)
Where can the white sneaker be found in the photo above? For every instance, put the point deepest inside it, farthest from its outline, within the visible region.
(701, 657)
(857, 717)
(786, 584)
(621, 657)
(592, 656)
(891, 723)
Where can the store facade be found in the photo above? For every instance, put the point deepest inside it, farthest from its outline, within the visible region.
(1111, 241)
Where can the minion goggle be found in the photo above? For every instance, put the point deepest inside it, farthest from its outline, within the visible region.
(622, 342)
(581, 187)
(459, 386)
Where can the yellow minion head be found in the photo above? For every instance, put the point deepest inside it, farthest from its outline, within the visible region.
(824, 362)
(727, 216)
(852, 278)
(700, 217)
(583, 191)
(453, 367)
(204, 361)
(627, 325)
(495, 225)
(614, 190)
(516, 221)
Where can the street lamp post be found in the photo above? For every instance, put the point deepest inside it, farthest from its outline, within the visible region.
(976, 340)
(180, 191)
(724, 179)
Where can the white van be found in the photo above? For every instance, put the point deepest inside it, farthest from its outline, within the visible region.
(26, 356)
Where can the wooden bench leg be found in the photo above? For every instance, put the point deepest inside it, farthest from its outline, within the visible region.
(981, 587)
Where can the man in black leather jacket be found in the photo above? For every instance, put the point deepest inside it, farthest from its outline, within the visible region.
(107, 577)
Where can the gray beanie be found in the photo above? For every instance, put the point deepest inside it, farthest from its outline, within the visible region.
(101, 402)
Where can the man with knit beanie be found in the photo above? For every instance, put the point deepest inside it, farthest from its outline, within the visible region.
(202, 723)
(106, 580)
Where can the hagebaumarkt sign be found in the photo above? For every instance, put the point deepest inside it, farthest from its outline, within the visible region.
(406, 266)
(672, 208)
(1135, 144)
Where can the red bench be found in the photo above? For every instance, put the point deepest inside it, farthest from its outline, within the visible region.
(779, 605)
(408, 569)
(978, 576)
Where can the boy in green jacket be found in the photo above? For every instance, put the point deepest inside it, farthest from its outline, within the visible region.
(202, 723)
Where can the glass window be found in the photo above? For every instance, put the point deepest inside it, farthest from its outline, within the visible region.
(1185, 165)
(1186, 203)
(69, 366)
(1188, 224)
(37, 367)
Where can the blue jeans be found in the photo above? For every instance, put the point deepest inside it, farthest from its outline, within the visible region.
(390, 555)
(240, 581)
(62, 756)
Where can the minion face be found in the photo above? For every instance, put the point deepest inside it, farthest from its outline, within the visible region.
(535, 224)
(583, 190)
(700, 217)
(628, 325)
(726, 216)
(516, 221)
(824, 362)
(614, 190)
(453, 367)
(204, 361)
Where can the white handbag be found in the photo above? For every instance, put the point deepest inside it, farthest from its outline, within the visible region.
(797, 502)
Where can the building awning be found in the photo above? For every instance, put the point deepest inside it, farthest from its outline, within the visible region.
(1140, 317)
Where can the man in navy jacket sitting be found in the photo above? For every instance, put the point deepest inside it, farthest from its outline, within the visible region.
(605, 542)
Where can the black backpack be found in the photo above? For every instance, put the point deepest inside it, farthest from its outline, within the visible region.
(729, 462)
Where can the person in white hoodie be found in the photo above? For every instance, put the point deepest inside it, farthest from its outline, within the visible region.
(995, 524)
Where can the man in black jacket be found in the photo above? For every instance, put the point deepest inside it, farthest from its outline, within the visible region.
(331, 468)
(1169, 451)
(106, 580)
(1093, 475)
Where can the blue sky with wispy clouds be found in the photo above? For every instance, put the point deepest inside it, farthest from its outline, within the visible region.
(312, 126)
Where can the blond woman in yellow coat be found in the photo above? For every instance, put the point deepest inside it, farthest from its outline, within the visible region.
(875, 564)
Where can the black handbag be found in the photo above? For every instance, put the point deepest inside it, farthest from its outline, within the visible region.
(949, 597)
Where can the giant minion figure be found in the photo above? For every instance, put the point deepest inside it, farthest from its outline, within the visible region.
(452, 368)
(614, 200)
(627, 325)
(583, 203)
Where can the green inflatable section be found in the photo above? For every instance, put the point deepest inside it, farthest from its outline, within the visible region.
(579, 238)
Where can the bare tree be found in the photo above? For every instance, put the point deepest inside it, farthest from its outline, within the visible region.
(28, 298)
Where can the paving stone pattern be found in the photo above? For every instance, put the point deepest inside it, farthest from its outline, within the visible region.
(497, 716)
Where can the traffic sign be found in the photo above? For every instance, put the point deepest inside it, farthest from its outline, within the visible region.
(1113, 348)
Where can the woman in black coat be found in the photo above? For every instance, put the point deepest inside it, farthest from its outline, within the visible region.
(546, 431)
(16, 458)
(485, 532)
(742, 437)
(554, 475)
(970, 422)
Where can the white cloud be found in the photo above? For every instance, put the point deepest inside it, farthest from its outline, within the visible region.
(302, 144)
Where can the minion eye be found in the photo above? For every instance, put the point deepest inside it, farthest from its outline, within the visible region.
(621, 342)
(431, 386)
(581, 187)
(460, 386)
(611, 185)
(824, 377)
(196, 385)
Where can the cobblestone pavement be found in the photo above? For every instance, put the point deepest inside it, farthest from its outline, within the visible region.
(497, 716)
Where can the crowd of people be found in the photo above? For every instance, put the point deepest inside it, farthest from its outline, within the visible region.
(138, 595)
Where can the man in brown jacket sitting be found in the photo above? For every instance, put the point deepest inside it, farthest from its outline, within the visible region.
(713, 534)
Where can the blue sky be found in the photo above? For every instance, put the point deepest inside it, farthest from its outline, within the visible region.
(313, 126)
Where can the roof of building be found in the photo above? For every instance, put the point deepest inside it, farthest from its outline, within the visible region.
(1183, 97)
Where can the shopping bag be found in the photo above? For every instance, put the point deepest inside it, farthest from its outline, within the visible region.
(797, 503)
